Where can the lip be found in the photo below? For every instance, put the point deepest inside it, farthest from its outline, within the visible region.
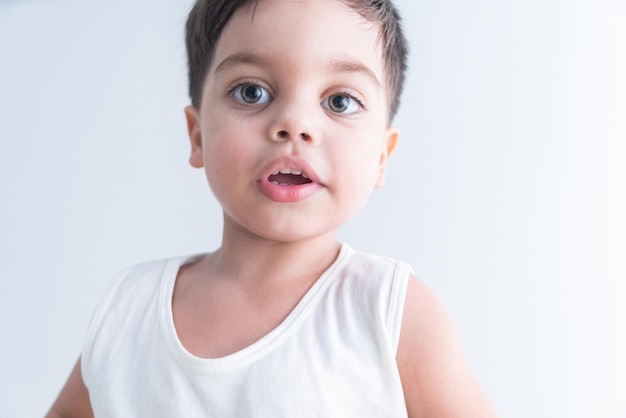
(291, 163)
(291, 193)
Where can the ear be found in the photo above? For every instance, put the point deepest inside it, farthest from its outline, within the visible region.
(389, 144)
(192, 115)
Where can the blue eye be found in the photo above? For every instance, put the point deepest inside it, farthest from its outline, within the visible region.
(251, 94)
(341, 103)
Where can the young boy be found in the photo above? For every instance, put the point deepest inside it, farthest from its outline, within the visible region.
(290, 119)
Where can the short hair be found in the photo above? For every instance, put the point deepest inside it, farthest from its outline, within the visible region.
(207, 19)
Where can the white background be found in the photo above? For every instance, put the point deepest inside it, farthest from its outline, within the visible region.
(506, 193)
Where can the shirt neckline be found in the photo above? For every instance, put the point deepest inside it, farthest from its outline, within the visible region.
(257, 349)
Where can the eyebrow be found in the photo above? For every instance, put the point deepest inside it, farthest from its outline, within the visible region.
(354, 67)
(241, 58)
(335, 66)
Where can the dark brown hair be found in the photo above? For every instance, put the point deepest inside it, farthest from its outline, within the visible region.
(208, 18)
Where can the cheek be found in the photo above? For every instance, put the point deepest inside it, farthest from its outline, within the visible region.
(231, 155)
(225, 162)
(364, 163)
(359, 175)
(219, 153)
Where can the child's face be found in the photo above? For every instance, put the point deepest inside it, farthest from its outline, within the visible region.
(283, 92)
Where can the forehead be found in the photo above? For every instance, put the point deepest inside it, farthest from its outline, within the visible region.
(304, 34)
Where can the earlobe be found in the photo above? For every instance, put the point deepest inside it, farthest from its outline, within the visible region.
(195, 136)
(389, 145)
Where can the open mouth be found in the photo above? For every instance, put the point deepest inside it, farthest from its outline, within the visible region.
(288, 177)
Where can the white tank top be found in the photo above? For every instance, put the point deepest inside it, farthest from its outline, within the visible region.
(333, 356)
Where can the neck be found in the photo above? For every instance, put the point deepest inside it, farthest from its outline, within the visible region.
(254, 260)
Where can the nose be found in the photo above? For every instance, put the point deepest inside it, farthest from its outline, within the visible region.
(282, 134)
(293, 120)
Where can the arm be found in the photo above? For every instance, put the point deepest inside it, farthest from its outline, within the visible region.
(435, 377)
(73, 401)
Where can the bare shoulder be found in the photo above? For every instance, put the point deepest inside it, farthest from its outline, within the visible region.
(73, 401)
(435, 376)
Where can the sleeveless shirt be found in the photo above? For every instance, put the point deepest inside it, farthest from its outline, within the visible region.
(333, 356)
